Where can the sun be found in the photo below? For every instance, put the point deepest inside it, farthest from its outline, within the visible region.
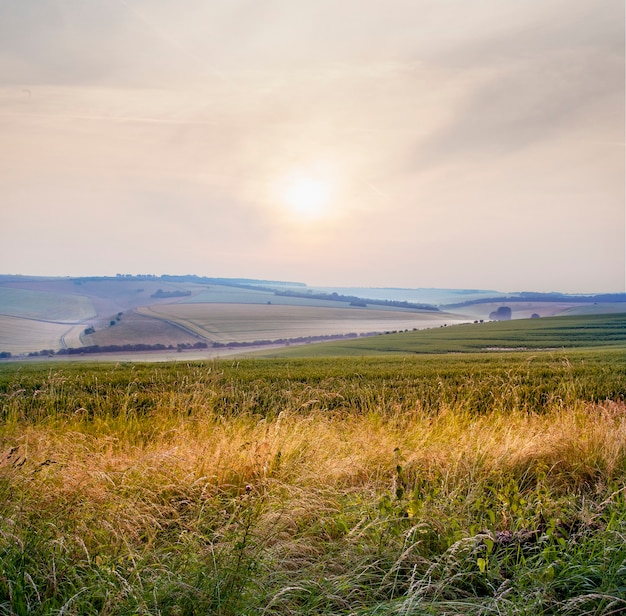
(307, 197)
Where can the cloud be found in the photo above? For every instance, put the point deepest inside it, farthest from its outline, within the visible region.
(448, 126)
(531, 86)
(529, 103)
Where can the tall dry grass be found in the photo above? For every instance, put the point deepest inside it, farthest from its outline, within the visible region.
(330, 501)
(156, 466)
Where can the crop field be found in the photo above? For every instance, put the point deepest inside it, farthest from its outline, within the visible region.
(129, 291)
(24, 335)
(249, 322)
(232, 310)
(526, 334)
(45, 306)
(520, 310)
(133, 328)
(232, 295)
(600, 308)
(426, 296)
(406, 485)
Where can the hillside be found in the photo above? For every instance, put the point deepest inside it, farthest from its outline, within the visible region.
(97, 314)
(547, 334)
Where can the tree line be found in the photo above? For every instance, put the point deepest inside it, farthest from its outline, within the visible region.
(360, 302)
(117, 348)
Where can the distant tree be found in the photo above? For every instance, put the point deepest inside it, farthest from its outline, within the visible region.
(160, 294)
(89, 330)
(534, 315)
(501, 314)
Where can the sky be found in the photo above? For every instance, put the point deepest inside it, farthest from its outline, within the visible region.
(377, 143)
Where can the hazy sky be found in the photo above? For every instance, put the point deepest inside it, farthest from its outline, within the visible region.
(408, 143)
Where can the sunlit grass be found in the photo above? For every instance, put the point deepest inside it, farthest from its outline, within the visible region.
(263, 487)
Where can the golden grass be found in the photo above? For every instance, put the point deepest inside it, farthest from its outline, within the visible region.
(151, 467)
(170, 487)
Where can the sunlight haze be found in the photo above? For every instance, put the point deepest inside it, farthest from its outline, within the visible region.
(361, 143)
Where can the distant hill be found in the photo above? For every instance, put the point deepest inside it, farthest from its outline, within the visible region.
(549, 334)
(94, 313)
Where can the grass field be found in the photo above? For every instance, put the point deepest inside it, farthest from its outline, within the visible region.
(248, 322)
(524, 334)
(601, 308)
(457, 484)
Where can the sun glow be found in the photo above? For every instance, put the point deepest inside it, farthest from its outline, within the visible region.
(307, 197)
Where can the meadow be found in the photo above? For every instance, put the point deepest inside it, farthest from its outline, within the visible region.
(489, 483)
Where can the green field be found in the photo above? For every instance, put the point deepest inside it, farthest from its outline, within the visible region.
(524, 334)
(604, 308)
(489, 483)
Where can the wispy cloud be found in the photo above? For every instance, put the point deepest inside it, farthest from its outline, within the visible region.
(450, 128)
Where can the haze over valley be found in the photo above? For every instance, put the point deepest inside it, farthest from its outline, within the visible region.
(214, 316)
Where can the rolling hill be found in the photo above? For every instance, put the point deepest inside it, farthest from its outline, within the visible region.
(97, 314)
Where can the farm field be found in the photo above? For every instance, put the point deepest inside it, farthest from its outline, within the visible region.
(249, 322)
(23, 335)
(519, 310)
(45, 306)
(603, 308)
(528, 334)
(428, 296)
(433, 484)
(183, 310)
(135, 328)
(232, 295)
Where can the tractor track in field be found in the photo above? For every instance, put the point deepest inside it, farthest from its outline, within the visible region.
(182, 328)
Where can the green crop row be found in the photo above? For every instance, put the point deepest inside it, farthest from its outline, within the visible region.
(550, 333)
(479, 382)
